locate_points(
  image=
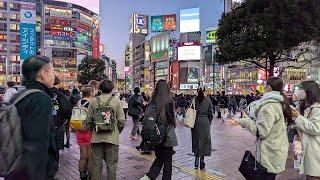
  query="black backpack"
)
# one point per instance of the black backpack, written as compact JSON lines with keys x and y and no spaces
{"x":153,"y":130}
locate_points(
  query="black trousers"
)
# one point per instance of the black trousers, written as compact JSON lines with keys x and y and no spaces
{"x":270,"y":176}
{"x":163,"y":158}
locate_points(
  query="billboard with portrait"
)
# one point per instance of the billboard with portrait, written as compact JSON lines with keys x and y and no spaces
{"x":190,"y":20}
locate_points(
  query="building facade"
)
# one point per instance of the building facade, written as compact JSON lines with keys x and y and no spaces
{"x":10,"y":17}
{"x":71,"y":32}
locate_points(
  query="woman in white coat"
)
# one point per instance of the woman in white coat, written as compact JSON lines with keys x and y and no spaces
{"x":309,"y":128}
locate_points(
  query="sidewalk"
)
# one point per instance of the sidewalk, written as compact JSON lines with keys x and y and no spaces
{"x":228,"y":146}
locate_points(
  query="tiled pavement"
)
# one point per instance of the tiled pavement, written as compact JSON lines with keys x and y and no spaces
{"x":228,"y":146}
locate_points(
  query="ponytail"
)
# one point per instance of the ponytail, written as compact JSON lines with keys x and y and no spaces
{"x":200,"y":96}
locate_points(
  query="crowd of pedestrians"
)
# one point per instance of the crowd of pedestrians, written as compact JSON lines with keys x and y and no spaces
{"x":45,"y":115}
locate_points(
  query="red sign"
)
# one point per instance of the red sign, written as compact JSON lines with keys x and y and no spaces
{"x":60,"y":22}
{"x":170,"y":22}
{"x":55,"y":32}
{"x":84,"y":26}
{"x":175,"y":66}
{"x":189,"y":44}
{"x":95,"y":47}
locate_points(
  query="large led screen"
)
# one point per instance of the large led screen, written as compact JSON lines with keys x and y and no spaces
{"x":189,"y":53}
{"x":190,"y":20}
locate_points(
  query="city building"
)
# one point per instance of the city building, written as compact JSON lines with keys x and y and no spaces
{"x":138,"y":33}
{"x":70,"y":33}
{"x":11,"y":14}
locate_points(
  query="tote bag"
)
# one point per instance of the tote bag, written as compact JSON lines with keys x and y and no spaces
{"x":191,"y":115}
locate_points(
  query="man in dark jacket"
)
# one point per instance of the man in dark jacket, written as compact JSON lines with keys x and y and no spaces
{"x":135,"y":111}
{"x":62,"y":110}
{"x":35,"y":111}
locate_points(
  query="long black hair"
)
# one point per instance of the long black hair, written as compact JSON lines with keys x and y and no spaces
{"x":312,"y":92}
{"x":200,"y":95}
{"x":276,"y":84}
{"x":31,"y":67}
{"x":161,"y":96}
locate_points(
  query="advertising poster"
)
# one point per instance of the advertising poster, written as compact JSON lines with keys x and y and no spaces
{"x":140,"y":24}
{"x":211,"y":36}
{"x":190,"y":20}
{"x":157,"y":23}
{"x":193,"y":75}
{"x":189,"y":53}
{"x":27,"y":30}
{"x":170,"y":22}
{"x":96,"y":38}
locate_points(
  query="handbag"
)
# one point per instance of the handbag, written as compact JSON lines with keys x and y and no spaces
{"x":250,"y":168}
{"x":191,"y":115}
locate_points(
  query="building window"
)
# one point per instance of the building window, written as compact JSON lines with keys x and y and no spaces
{"x":3,"y":37}
{"x":14,"y":27}
{"x":14,"y":38}
{"x":15,"y":16}
{"x":14,"y":6}
{"x":3,"y":5}
{"x":14,"y":48}
{"x":3,"y":16}
{"x":3,"y":48}
{"x":14,"y":58}
{"x":3,"y":26}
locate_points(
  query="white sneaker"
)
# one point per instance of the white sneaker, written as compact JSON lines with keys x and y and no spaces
{"x":145,"y":177}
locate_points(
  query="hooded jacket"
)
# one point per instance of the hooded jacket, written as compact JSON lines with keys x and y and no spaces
{"x":270,"y":124}
{"x":309,"y":126}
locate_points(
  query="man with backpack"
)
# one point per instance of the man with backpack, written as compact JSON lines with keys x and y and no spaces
{"x":135,"y":111}
{"x":106,"y":118}
{"x":27,"y":147}
{"x":61,"y":112}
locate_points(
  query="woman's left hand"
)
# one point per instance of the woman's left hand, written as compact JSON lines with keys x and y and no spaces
{"x":295,"y":112}
{"x":234,"y":122}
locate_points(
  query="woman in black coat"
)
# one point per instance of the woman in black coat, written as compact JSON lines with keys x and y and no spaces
{"x":201,"y":137}
{"x":39,"y":152}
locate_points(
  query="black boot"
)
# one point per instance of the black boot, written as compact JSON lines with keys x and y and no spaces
{"x":196,"y":162}
{"x":219,"y":115}
{"x":84,"y":178}
{"x":202,"y":164}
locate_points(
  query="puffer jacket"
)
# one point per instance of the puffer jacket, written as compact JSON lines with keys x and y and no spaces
{"x":270,"y":123}
{"x":309,"y":128}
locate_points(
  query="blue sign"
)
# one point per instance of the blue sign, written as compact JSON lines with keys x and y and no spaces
{"x":141,"y":21}
{"x":156,"y":23}
{"x":27,"y":40}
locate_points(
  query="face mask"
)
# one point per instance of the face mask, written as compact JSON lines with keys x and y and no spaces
{"x":301,"y":95}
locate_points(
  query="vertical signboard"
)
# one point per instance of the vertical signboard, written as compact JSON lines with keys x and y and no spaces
{"x":96,"y":38}
{"x":27,"y":30}
{"x":140,"y":23}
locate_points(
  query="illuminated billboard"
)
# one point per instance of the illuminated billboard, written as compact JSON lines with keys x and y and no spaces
{"x":190,"y":20}
{"x":170,"y":22}
{"x":211,"y":36}
{"x":163,"y":23}
{"x":189,"y":53}
{"x":139,"y":23}
{"x":156,"y":23}
{"x":160,"y":42}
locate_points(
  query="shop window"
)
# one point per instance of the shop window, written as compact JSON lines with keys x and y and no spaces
{"x":14,"y":58}
{"x":14,"y":38}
